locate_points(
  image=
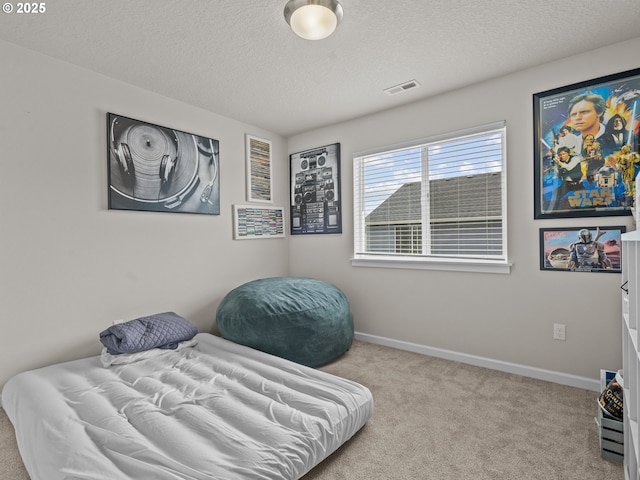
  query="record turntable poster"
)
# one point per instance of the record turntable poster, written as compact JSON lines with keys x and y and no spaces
{"x":315,"y":191}
{"x":160,"y":169}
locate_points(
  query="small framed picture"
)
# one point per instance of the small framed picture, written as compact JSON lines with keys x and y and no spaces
{"x":259,"y":174}
{"x":255,"y":222}
{"x":582,"y":249}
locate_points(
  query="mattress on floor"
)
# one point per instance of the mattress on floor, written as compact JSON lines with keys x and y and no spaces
{"x":216,"y":410}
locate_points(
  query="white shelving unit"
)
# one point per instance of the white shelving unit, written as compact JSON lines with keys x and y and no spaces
{"x":630,"y":355}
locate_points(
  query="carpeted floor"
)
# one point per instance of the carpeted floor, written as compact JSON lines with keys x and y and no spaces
{"x":436,"y":419}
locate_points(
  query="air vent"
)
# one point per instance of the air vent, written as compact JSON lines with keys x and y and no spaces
{"x":403,"y":87}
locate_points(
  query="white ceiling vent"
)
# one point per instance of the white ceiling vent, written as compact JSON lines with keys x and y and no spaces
{"x":403,"y":87}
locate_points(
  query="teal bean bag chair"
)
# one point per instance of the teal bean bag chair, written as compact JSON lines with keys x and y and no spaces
{"x":301,"y":319}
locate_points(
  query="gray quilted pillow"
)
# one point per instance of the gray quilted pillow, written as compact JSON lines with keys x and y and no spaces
{"x":162,"y":330}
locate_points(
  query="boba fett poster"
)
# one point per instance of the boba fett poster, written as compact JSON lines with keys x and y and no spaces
{"x":583,"y":249}
{"x":160,"y":169}
{"x":315,"y":191}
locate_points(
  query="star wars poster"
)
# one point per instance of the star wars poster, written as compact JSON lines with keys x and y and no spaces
{"x":582,"y":249}
{"x":315,"y":191}
{"x":586,"y":153}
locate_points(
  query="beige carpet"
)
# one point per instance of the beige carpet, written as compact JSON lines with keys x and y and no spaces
{"x":436,"y":419}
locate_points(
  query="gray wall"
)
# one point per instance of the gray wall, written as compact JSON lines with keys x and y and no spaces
{"x":68,"y":265}
{"x":508,"y":318}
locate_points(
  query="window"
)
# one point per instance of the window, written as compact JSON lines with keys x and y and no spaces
{"x":434,"y":203}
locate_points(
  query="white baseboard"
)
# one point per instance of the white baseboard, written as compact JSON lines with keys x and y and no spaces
{"x":538,"y":373}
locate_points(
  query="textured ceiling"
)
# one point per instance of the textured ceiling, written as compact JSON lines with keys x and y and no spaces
{"x":238,"y":58}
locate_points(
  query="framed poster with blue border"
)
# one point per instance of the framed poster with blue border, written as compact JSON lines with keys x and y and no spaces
{"x":586,"y":154}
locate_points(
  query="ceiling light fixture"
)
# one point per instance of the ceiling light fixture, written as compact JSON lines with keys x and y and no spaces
{"x":313,"y":19}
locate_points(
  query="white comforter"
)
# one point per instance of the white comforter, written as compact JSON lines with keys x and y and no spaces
{"x":216,"y":410}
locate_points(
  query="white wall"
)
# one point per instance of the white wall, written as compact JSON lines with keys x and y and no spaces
{"x":68,"y":265}
{"x":508,"y":318}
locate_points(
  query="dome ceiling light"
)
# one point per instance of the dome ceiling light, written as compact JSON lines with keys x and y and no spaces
{"x":313,"y":19}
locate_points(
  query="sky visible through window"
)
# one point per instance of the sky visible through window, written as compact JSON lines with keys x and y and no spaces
{"x":385,"y":173}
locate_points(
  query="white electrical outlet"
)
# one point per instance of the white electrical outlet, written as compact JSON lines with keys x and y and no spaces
{"x":559,"y":331}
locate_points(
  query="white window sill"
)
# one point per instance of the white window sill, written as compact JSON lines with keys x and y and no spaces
{"x":445,"y":264}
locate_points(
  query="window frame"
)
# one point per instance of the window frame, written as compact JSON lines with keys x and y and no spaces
{"x":428,"y":261}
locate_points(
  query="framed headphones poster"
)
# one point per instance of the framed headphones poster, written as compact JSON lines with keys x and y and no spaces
{"x":315,"y":191}
{"x":160,"y":169}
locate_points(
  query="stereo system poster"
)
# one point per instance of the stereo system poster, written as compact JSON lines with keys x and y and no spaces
{"x":315,"y":191}
{"x":586,"y":154}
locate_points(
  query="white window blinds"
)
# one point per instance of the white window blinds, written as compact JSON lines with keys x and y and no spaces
{"x":443,"y":197}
